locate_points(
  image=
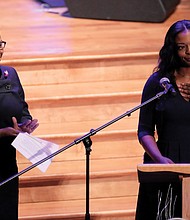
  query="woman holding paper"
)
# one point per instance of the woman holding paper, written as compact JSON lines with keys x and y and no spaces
{"x":14,"y":118}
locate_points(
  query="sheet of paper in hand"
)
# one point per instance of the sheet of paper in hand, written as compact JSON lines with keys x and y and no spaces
{"x":35,"y":149}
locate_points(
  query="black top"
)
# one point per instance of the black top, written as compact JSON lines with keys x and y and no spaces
{"x":11,"y":104}
{"x":170,"y":116}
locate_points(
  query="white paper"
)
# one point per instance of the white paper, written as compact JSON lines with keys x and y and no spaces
{"x":35,"y":149}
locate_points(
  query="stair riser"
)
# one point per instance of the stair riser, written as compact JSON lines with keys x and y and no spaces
{"x":75,"y":189}
{"x":100,"y":150}
{"x":68,"y":71}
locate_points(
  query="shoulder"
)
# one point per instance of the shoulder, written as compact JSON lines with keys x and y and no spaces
{"x":153,"y":81}
{"x":154,"y":78}
{"x":8,"y":71}
{"x":7,"y":68}
{"x":152,"y":85}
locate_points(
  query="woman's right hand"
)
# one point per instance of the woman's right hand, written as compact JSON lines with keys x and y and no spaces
{"x":184,"y":89}
{"x":9,"y":131}
{"x":164,"y":160}
{"x":150,"y":146}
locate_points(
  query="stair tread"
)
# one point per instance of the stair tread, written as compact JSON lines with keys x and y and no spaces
{"x":83,"y":88}
{"x":74,"y":168}
{"x":67,"y":208}
{"x":81,"y":128}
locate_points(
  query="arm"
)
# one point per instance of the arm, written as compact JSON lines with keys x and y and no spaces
{"x":27,"y":124}
{"x":19,"y":112}
{"x":149,"y":144}
{"x":8,"y":131}
{"x":149,"y":118}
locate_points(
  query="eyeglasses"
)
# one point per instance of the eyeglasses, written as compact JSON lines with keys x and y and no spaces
{"x":2,"y":44}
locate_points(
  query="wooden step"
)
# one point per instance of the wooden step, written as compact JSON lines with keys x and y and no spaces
{"x":65,"y":118}
{"x":83,"y":89}
{"x":109,"y":152}
{"x":103,"y":136}
{"x":72,"y":187}
{"x":83,"y":127}
{"x":74,"y":166}
{"x":124,"y":145}
{"x":83,"y":69}
{"x":119,"y":208}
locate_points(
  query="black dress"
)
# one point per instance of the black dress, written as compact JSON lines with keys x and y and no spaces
{"x":11,"y":104}
{"x":170,"y":115}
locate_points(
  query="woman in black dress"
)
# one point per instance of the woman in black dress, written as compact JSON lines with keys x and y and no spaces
{"x":169,"y":117}
{"x":14,"y":118}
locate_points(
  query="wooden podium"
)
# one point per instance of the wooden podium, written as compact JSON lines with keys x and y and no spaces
{"x":167,"y":172}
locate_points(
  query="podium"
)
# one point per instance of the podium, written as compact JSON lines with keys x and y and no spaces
{"x":169,"y":172}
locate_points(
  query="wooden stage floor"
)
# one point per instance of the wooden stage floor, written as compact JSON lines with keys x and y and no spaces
{"x":31,"y":32}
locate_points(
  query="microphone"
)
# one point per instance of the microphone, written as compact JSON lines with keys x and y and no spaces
{"x":165,"y":83}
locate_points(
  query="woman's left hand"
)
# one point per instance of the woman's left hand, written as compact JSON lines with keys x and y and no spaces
{"x":184,"y":89}
{"x":28,"y":126}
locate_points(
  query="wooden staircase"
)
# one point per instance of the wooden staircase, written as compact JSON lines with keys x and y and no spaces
{"x":71,"y":97}
{"x":79,"y":75}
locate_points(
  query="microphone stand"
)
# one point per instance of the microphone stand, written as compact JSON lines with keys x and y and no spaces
{"x":87,"y":143}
